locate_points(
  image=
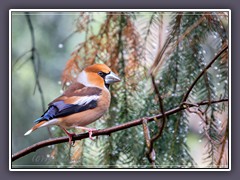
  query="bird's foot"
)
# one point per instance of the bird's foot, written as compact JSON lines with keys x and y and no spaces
{"x":90,"y":131}
{"x":70,"y":137}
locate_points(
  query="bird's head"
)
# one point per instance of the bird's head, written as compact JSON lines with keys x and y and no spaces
{"x":98,"y":75}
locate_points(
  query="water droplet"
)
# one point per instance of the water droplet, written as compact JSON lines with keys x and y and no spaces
{"x":204,"y":52}
{"x":199,"y":52}
{"x":215,"y":67}
{"x":60,"y":45}
{"x":61,"y":91}
{"x":219,"y":122}
{"x":53,"y":128}
{"x":199,"y":140}
{"x":218,"y":84}
{"x":225,"y":81}
{"x":48,"y":155}
{"x":67,"y":83}
{"x":59,"y":82}
{"x":214,"y":36}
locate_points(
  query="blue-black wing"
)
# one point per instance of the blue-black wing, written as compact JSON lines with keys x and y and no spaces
{"x":60,"y":109}
{"x":75,"y":99}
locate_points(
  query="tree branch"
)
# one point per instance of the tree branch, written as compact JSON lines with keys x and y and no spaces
{"x":33,"y":59}
{"x":106,"y":131}
{"x":203,"y":71}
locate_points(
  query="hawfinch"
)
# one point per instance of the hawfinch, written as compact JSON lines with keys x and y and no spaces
{"x":85,"y":101}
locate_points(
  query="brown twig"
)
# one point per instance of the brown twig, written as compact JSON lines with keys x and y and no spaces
{"x":203,"y":71}
{"x":150,"y":152}
{"x":224,"y":141}
{"x":107,"y":131}
{"x":161,"y":109}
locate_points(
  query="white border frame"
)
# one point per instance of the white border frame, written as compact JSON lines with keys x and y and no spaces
{"x":117,"y":10}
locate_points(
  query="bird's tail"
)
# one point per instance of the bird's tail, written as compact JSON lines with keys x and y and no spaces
{"x":38,"y":125}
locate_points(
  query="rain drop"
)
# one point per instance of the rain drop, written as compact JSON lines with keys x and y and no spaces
{"x":219,"y":122}
{"x":53,"y":128}
{"x":59,"y":82}
{"x":60,"y":45}
{"x":204,"y":52}
{"x":61,"y":91}
{"x":67,"y":83}
{"x":215,"y":67}
{"x":199,"y":140}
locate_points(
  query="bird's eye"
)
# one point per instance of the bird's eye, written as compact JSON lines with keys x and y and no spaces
{"x":101,"y":74}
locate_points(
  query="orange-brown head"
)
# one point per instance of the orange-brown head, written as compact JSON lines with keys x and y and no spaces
{"x":98,"y":75}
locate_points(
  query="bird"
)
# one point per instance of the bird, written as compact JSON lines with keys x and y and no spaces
{"x":82,"y":103}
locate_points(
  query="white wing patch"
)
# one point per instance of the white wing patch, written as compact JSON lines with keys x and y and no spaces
{"x":86,"y":99}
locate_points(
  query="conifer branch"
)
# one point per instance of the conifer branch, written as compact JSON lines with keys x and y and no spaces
{"x":203,"y":71}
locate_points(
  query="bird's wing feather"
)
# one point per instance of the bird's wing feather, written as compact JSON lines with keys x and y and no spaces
{"x":74,"y":100}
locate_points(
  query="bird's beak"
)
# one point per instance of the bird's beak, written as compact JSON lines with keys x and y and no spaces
{"x":111,"y":78}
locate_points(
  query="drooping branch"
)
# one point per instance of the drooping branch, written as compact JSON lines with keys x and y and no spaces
{"x":106,"y":131}
{"x":203,"y":71}
{"x":33,"y":58}
{"x":149,"y":141}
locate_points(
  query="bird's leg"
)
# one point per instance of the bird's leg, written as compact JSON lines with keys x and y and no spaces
{"x":90,"y":130}
{"x":70,"y":136}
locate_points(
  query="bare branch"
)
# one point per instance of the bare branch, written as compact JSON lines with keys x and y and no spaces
{"x":33,"y":59}
{"x":151,"y":152}
{"x":106,"y":131}
{"x":20,"y":57}
{"x":203,"y":71}
{"x":224,"y":142}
